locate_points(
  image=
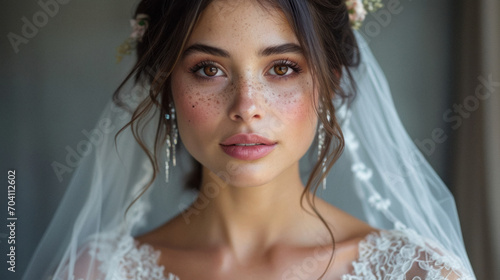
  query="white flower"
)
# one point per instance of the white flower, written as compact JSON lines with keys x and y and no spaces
{"x":357,"y":12}
{"x":359,"y":8}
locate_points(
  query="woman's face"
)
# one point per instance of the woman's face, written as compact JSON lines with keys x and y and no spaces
{"x":243,"y":76}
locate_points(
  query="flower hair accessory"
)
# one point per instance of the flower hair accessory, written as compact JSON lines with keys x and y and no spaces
{"x":139,"y":26}
{"x":358,"y":10}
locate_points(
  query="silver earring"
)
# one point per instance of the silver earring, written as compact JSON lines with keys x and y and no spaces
{"x":321,"y":144}
{"x":171,"y":142}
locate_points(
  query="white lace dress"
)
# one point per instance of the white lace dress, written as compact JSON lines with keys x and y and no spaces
{"x":388,"y":255}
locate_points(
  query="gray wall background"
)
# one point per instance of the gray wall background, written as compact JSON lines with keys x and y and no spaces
{"x":59,"y":82}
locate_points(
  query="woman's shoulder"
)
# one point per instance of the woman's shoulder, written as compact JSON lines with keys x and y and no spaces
{"x":391,"y":254}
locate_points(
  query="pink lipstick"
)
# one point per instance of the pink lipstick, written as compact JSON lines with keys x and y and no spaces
{"x":247,"y":146}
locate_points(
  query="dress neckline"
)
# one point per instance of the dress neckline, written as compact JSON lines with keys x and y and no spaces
{"x":147,"y":249}
{"x":384,"y":254}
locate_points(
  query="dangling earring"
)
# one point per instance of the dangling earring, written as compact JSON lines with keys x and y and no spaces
{"x":171,"y":141}
{"x":321,"y":144}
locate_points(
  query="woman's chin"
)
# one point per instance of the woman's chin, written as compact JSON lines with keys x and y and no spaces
{"x":249,"y":183}
{"x":247,"y":176}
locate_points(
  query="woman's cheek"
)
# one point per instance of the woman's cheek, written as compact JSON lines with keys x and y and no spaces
{"x":295,"y":104}
{"x":195,"y":119}
{"x":196,"y":103}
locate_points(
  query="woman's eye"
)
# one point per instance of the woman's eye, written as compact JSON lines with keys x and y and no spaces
{"x":210,"y":71}
{"x":207,"y":70}
{"x":281,"y":69}
{"x":284,"y":68}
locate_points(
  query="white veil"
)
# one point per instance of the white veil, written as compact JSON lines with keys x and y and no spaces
{"x":381,"y":178}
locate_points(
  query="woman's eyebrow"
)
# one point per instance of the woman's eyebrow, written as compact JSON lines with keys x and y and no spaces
{"x":205,"y":49}
{"x":281,"y":49}
{"x":272,"y":50}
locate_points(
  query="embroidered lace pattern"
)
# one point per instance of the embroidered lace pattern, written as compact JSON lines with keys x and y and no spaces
{"x":128,"y":261}
{"x":387,"y":255}
{"x":120,"y":258}
{"x":392,"y":255}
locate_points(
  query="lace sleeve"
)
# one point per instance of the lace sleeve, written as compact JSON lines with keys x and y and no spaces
{"x":115,"y":257}
{"x":86,"y":266}
{"x":392,"y":255}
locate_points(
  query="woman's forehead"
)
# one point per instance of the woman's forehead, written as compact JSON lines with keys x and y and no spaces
{"x":240,"y":22}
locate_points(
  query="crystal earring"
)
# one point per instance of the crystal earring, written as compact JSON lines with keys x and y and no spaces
{"x":171,"y":141}
{"x":321,"y":144}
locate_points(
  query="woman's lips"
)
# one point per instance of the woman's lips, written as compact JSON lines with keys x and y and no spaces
{"x":247,"y":146}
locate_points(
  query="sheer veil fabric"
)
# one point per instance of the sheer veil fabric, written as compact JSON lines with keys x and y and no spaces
{"x":381,"y":178}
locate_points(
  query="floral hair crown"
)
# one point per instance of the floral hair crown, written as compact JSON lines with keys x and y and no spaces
{"x":357,"y":13}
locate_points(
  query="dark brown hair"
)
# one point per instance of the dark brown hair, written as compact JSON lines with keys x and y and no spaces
{"x":324,"y":33}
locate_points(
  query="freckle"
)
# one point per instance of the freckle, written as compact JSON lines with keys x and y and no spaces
{"x":197,"y":93}
{"x":218,"y":102}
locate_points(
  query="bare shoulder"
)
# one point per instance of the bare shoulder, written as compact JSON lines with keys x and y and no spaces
{"x":173,"y":234}
{"x":348,"y":232}
{"x":346,"y":227}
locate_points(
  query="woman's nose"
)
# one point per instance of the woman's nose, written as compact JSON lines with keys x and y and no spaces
{"x":248,"y":101}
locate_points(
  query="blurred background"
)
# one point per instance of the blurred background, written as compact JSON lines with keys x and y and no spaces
{"x":441,"y":59}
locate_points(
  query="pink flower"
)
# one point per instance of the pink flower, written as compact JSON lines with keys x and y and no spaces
{"x":139,"y":26}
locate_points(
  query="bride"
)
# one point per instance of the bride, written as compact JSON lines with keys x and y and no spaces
{"x":249,"y":88}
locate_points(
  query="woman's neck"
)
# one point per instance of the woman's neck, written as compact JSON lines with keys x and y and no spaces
{"x":242,"y":218}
